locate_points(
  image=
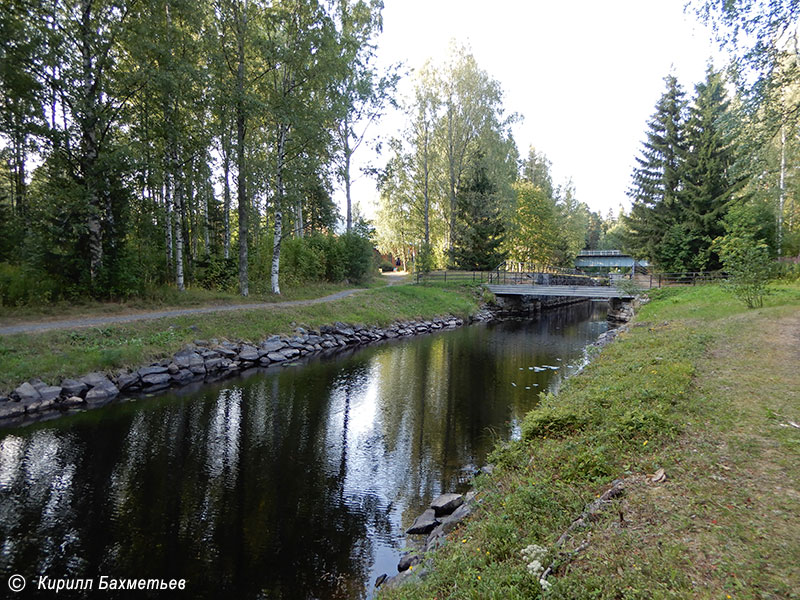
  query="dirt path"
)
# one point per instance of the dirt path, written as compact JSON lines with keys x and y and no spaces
{"x":116,"y":319}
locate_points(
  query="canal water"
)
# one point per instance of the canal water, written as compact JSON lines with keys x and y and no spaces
{"x":290,"y":483}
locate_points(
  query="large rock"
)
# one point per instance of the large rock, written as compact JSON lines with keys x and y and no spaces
{"x":104,"y":391}
{"x":41,"y":405}
{"x":271,"y":346}
{"x":73,"y":401}
{"x":73,"y":388}
{"x":225,"y":351}
{"x":249,"y":354}
{"x":124,"y":381}
{"x":152,"y":370}
{"x":407,"y":561}
{"x":183,"y":376}
{"x":27,"y":393}
{"x":156,"y":379}
{"x":9,"y":410}
{"x":290,"y":353}
{"x":214,"y":364}
{"x":436,"y":538}
{"x":276,"y":357}
{"x":38,"y":384}
{"x":446,"y":503}
{"x":424,"y":523}
{"x":94,"y":379}
{"x":50,"y":393}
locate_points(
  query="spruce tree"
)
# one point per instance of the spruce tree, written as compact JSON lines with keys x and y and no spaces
{"x":657,"y":180}
{"x":479,"y":230}
{"x":707,"y":185}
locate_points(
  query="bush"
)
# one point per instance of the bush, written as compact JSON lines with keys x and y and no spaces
{"x":749,"y":268}
{"x":359,"y":258}
{"x":301,"y":262}
{"x":21,"y":286}
{"x":327,"y":258}
{"x":425,"y":259}
{"x":217,"y":273}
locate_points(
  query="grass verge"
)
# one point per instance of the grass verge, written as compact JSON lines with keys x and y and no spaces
{"x":165,"y":298}
{"x":699,"y":387}
{"x":55,"y":355}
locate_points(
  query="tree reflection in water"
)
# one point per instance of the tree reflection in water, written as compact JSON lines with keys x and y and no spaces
{"x":293,"y":483}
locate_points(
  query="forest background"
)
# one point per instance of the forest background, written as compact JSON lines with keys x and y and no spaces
{"x":151,"y":143}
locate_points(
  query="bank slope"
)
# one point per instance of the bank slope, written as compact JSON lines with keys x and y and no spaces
{"x":53,"y":356}
{"x":698,"y":387}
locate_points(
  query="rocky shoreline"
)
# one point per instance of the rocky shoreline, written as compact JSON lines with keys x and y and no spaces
{"x":448,"y":511}
{"x":203,"y":361}
{"x":211,"y":361}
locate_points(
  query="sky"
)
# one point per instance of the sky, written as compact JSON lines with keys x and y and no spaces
{"x":584,"y":75}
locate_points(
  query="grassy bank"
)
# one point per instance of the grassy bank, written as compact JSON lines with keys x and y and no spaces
{"x":55,"y":355}
{"x":163,"y":298}
{"x":699,"y":387}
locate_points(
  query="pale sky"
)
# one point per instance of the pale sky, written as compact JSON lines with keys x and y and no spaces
{"x":584,"y":75}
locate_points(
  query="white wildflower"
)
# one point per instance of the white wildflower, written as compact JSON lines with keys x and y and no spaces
{"x":535,"y":568}
{"x":545,"y":584}
{"x":533,"y":552}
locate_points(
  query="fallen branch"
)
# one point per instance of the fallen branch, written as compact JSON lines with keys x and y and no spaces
{"x":616,"y":489}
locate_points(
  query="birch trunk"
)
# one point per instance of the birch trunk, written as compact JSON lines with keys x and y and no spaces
{"x":279,"y":193}
{"x":240,"y":154}
{"x":782,"y":195}
{"x":226,"y":189}
{"x":168,"y":219}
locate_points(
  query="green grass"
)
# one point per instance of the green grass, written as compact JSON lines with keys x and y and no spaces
{"x":700,"y":387}
{"x":58,"y":354}
{"x":166,"y":297}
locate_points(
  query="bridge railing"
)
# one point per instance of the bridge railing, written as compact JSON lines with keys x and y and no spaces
{"x":453,"y":276}
{"x":686,"y":278}
{"x":514,"y":273}
{"x":511,"y":272}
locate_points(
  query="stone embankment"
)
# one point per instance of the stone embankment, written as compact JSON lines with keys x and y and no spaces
{"x":201,"y":361}
{"x":445,"y":513}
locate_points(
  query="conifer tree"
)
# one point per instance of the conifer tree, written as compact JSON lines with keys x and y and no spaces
{"x":479,"y":230}
{"x":657,"y":180}
{"x":706,"y":174}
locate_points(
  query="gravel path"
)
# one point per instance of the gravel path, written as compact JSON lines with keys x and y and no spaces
{"x":113,"y":320}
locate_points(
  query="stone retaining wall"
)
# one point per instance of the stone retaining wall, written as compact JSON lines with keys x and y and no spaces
{"x":201,"y":361}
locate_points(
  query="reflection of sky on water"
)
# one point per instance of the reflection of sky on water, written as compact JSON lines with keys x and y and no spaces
{"x":292,"y":483}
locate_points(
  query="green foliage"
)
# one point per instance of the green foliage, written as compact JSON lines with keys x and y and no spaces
{"x":325,"y":257}
{"x":682,"y":186}
{"x":216,"y":273}
{"x":24,"y":286}
{"x":358,"y":256}
{"x":552,"y":420}
{"x":425,"y":258}
{"x":629,"y":286}
{"x":534,"y":229}
{"x":748,"y":266}
{"x":478,"y":236}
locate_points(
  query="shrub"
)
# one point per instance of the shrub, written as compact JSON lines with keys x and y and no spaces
{"x":748,"y":265}
{"x":20,"y":285}
{"x":217,"y":273}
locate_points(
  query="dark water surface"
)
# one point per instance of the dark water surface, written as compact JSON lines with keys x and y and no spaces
{"x":290,"y":483}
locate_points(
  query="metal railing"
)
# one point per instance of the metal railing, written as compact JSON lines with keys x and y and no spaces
{"x":601,"y":253}
{"x":687,"y":278}
{"x":453,"y":276}
{"x":511,"y":273}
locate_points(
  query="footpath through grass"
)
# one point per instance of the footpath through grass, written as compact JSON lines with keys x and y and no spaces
{"x":55,"y":355}
{"x":699,"y":387}
{"x":164,"y":298}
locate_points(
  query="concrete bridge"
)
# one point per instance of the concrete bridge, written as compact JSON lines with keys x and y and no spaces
{"x":601,"y":292}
